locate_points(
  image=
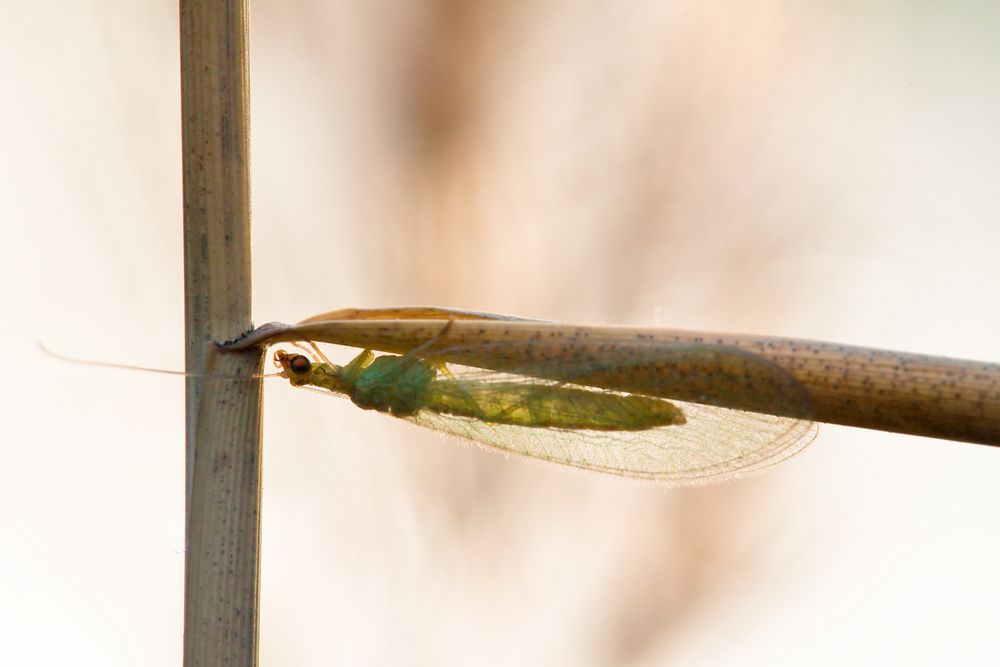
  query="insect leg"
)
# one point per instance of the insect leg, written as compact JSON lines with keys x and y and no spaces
{"x":353,"y":370}
{"x":319,"y":353}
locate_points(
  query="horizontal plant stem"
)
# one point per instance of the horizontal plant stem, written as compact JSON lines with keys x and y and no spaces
{"x":938,"y":397}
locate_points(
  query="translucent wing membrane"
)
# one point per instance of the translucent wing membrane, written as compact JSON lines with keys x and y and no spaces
{"x":715,"y":444}
{"x":711,"y":443}
{"x":676,"y":413}
{"x":697,"y":373}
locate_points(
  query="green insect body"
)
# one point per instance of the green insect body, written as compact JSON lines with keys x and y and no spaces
{"x":406,"y":385}
{"x":632,"y":403}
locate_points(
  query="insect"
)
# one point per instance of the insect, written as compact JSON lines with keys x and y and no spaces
{"x":561,"y":405}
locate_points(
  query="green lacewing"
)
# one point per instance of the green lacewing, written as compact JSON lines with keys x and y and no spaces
{"x":602,"y":398}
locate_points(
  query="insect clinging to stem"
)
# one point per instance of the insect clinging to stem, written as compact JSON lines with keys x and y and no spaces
{"x":558,"y":405}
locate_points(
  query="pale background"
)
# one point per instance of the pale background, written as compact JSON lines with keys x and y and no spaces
{"x":805,"y":168}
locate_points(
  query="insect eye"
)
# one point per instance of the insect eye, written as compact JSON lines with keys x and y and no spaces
{"x":299,"y":364}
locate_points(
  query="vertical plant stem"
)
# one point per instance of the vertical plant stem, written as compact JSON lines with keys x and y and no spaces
{"x":223,"y":415}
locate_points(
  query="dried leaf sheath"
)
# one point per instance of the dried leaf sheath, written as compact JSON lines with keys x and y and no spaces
{"x":880,"y":389}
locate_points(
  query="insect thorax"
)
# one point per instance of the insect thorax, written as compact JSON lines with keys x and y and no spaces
{"x":393,"y":384}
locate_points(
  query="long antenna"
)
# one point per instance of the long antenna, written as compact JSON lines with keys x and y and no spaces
{"x":145,"y":369}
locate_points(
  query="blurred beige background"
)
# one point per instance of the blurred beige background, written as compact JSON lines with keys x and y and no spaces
{"x":813,"y":169}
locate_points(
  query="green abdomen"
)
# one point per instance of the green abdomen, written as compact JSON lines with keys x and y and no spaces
{"x":544,"y":406}
{"x":404,"y":387}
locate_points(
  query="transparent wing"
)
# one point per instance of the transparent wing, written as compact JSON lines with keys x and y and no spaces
{"x":742,"y":412}
{"x":707,"y":374}
{"x":715,"y":444}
